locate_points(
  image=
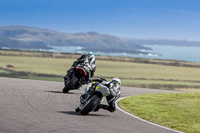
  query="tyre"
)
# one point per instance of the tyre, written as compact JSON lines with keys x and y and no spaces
{"x":70,"y":84}
{"x":89,"y":105}
{"x":65,"y":90}
{"x":77,"y":109}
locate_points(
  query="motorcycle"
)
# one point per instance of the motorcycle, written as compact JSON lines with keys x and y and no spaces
{"x":92,"y":96}
{"x":78,"y":76}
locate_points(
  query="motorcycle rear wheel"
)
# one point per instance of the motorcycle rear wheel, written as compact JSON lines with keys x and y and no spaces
{"x":90,"y":105}
{"x":70,"y":85}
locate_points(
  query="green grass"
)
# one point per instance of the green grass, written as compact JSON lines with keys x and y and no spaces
{"x":149,"y":71}
{"x":24,"y":75}
{"x":150,"y":75}
{"x":37,"y":64}
{"x":3,"y":71}
{"x":104,"y":68}
{"x":136,"y":82}
{"x":180,"y":111}
{"x":189,"y":89}
{"x":160,"y":84}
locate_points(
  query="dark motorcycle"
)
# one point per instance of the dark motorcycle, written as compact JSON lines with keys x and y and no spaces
{"x":78,"y":76}
{"x":92,"y":97}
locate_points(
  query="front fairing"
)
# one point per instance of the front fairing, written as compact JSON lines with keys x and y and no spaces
{"x":102,"y":89}
{"x":92,"y":89}
{"x":87,"y":89}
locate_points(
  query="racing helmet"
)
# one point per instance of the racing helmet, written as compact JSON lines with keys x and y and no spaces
{"x":90,"y":54}
{"x":115,"y":86}
{"x":116,"y":80}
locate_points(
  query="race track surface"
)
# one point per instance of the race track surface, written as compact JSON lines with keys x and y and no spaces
{"x":33,"y":106}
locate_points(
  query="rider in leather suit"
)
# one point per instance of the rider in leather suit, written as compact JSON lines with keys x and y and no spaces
{"x":89,"y":60}
{"x":115,"y":92}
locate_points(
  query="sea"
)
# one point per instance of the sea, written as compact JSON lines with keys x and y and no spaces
{"x":191,"y":54}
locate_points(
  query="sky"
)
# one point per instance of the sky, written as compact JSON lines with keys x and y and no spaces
{"x":143,"y":19}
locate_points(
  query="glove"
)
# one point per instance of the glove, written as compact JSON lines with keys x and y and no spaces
{"x":75,"y":64}
{"x":92,"y":73}
{"x":85,"y":82}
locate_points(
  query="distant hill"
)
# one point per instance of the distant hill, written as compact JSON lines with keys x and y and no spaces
{"x":165,"y":42}
{"x":6,"y":42}
{"x":21,"y":37}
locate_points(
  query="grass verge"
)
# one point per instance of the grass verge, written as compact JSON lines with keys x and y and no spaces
{"x":132,"y":71}
{"x":179,"y":111}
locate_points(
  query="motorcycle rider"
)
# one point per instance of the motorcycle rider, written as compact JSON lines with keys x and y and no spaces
{"x":86,"y":59}
{"x":115,"y":92}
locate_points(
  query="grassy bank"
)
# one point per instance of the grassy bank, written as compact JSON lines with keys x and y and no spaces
{"x":133,"y":71}
{"x":180,"y":111}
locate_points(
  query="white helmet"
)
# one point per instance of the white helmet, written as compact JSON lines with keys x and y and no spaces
{"x":116,"y":80}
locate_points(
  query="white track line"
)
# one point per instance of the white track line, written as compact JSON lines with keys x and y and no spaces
{"x":143,"y":119}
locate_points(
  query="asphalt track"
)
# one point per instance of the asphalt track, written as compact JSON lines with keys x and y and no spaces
{"x":33,"y":106}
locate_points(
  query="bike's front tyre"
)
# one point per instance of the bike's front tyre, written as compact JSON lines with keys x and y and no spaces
{"x":90,"y":105}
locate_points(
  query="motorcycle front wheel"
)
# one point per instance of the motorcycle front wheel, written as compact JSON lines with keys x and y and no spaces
{"x":70,"y":84}
{"x":90,"y":105}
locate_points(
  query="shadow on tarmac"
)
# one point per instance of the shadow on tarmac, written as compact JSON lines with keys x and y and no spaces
{"x":60,"y":92}
{"x":75,"y":113}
